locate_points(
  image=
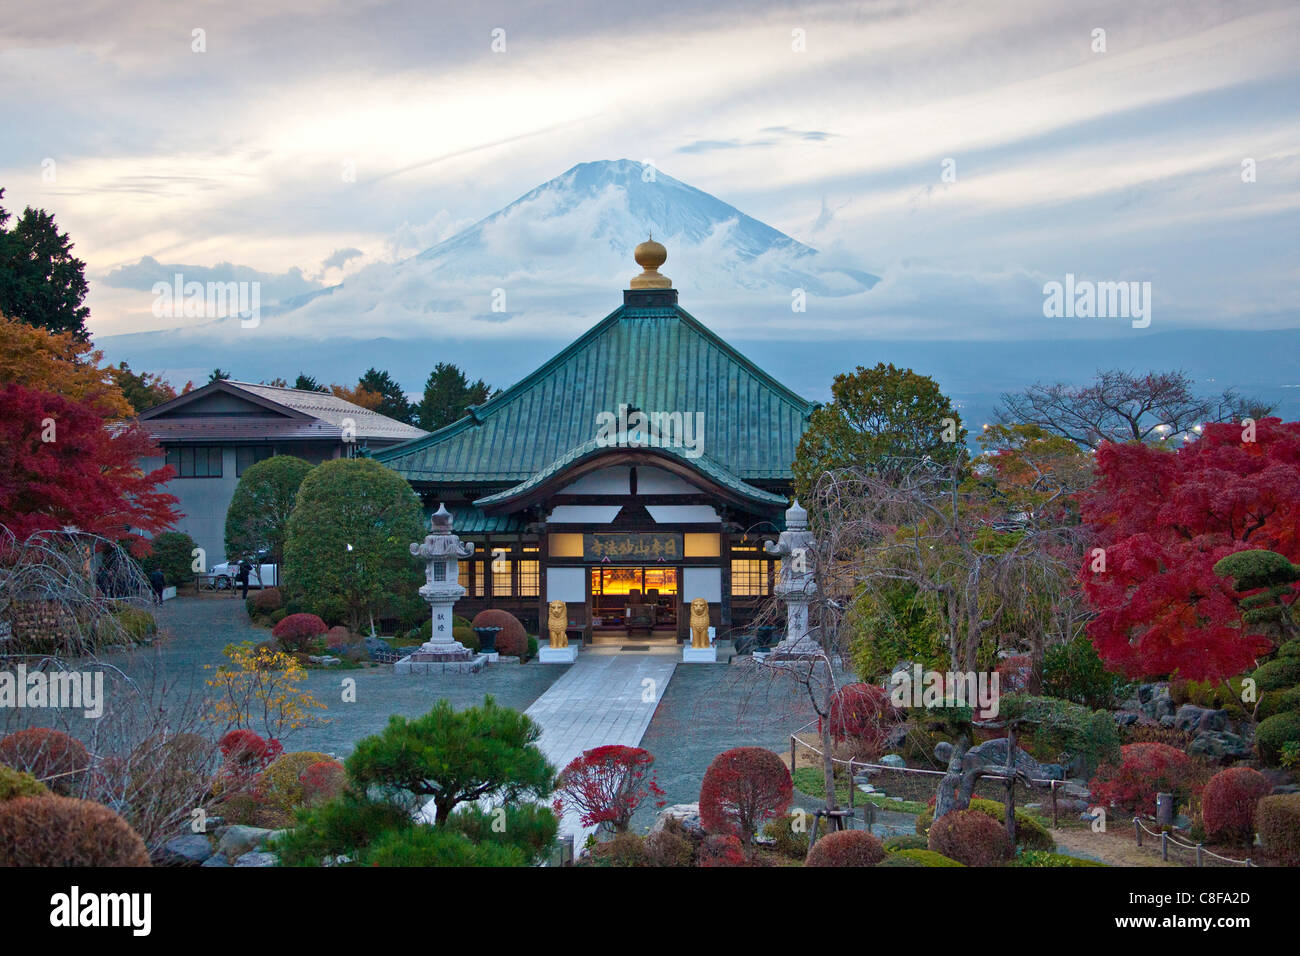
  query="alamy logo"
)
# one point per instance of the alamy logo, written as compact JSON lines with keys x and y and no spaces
{"x":918,"y":688}
{"x":75,"y":909}
{"x":208,"y":300}
{"x":73,"y":690}
{"x":1085,"y":299}
{"x":632,"y":428}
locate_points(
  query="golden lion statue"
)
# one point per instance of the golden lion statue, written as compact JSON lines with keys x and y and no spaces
{"x":699,"y":623}
{"x":557,"y":622}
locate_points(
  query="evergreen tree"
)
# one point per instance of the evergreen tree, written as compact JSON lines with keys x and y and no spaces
{"x":41,"y":282}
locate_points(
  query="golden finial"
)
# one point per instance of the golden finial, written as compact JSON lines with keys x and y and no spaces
{"x":650,"y":255}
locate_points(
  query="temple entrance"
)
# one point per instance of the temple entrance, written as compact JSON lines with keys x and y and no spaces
{"x":634,"y":602}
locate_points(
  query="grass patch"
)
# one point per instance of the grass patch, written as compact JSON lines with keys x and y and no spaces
{"x":811,"y":781}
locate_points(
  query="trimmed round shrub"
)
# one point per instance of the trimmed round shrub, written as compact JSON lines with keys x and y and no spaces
{"x":1277,"y":820}
{"x":1291,"y":649}
{"x":970,"y":837}
{"x":1030,"y":834}
{"x":465,"y":634}
{"x":1270,"y":736}
{"x":1278,"y":702}
{"x":297,"y":631}
{"x":337,"y":638}
{"x":62,"y":831}
{"x":721,"y":849}
{"x":1144,"y":771}
{"x":918,"y":858}
{"x":267,"y":600}
{"x":904,"y":841}
{"x":1278,"y":674}
{"x":1228,"y":803}
{"x":51,"y":756}
{"x":512,"y":639}
{"x":668,"y":847}
{"x":743,"y":788}
{"x":846,"y":848}
{"x":173,"y":553}
{"x":280,"y":786}
{"x":15,"y":783}
{"x":623,"y":849}
{"x":863,"y":715}
{"x":169,"y":771}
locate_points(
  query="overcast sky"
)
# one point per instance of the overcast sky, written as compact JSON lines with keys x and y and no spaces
{"x":831,"y":122}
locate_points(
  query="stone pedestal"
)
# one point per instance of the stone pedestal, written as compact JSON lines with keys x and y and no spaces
{"x":699,"y":655}
{"x":557,"y":655}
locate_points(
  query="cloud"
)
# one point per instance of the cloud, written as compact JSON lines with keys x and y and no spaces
{"x":341,"y":257}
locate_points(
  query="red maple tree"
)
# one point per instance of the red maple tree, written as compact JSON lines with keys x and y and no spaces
{"x":742,"y":788}
{"x":63,"y":465}
{"x":607,"y":785}
{"x":1162,"y":519}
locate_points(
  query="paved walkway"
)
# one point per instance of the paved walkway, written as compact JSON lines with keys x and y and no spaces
{"x":606,"y":697}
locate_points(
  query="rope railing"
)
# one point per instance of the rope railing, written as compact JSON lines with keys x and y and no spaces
{"x":852,"y":763}
{"x":1169,"y":842}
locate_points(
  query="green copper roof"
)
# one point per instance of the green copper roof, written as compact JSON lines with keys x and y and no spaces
{"x":593,"y":448}
{"x":655,"y":358}
{"x":475,"y":521}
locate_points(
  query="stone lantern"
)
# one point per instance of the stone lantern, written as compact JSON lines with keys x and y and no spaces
{"x":442,"y":552}
{"x":796,"y":585}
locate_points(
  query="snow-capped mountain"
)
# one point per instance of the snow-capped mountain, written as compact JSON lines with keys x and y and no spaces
{"x":554,"y":261}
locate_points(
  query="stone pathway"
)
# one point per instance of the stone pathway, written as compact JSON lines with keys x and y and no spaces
{"x":604,"y":698}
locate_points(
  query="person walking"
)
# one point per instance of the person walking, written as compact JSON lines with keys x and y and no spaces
{"x":244,"y":570}
{"x":158,"y":582}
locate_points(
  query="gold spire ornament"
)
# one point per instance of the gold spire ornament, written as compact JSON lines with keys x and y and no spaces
{"x":650,"y":255}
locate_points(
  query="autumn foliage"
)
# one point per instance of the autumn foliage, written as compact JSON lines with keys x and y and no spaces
{"x":297,"y":631}
{"x":62,"y":831}
{"x":607,"y":785}
{"x":970,"y":837}
{"x":864,"y":714}
{"x":1162,"y":519}
{"x":743,"y":788}
{"x":63,"y":468}
{"x":54,"y":758}
{"x":1228,"y":803}
{"x":846,"y":848}
{"x":1143,"y":771}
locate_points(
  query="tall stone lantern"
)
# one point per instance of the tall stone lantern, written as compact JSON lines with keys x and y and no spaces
{"x":796,"y":585}
{"x":442,"y":552}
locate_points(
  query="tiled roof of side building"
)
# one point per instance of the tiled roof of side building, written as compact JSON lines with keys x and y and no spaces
{"x":334,"y":410}
{"x":653,"y":358}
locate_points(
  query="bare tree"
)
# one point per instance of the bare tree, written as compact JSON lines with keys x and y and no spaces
{"x":1120,"y":406}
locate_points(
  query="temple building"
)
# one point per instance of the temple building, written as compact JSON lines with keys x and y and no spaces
{"x":640,"y":468}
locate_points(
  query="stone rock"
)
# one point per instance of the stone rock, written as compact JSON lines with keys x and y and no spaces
{"x":188,"y":850}
{"x":324,"y":660}
{"x":1125,"y":720}
{"x":1219,"y":745}
{"x":892,"y":760}
{"x":215,"y":861}
{"x":380,"y":650}
{"x":1156,"y":703}
{"x":1194,"y":719}
{"x":238,"y":840}
{"x":1069,"y":805}
{"x":1286,"y":788}
{"x":1167,"y":720}
{"x":943,"y":752}
{"x":256,"y":858}
{"x":1074,"y":789}
{"x":688,"y":814}
{"x":897,"y":734}
{"x":993,"y":754}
